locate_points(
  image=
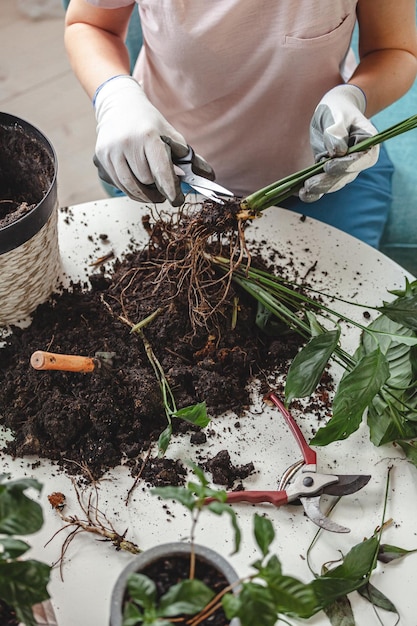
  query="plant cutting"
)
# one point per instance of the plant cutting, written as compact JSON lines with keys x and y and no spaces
{"x":265,"y":597}
{"x":195,"y":414}
{"x":23,"y":582}
{"x":182,"y":582}
{"x":272,"y":195}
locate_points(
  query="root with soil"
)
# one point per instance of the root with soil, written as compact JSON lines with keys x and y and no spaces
{"x":204,"y":338}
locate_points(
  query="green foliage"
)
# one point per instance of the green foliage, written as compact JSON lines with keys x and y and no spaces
{"x":194,"y":497}
{"x":355,"y":393}
{"x":22,"y":582}
{"x":268,"y":594}
{"x":188,"y":597}
{"x":18,"y":514}
{"x":381,"y":382}
{"x":308,"y":366}
{"x":380,"y":378}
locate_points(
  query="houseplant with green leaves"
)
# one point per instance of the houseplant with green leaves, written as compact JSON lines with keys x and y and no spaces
{"x":23,"y":582}
{"x":267,"y":595}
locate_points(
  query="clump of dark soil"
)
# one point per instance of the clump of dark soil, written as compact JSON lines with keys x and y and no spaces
{"x":115,"y":414}
{"x":26,"y":173}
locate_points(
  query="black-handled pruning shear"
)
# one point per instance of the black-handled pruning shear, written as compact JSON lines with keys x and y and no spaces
{"x":203,"y":186}
{"x":301,"y":481}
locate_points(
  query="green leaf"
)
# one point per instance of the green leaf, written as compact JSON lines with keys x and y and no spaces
{"x":407,"y":291}
{"x":340,"y":612}
{"x":19,"y":515}
{"x":180,"y":494}
{"x":264,"y":533}
{"x":388,"y":553}
{"x":388,"y":422}
{"x":195,"y":414}
{"x":308,"y":365}
{"x":12,"y":548}
{"x":231,"y":605}
{"x":402,"y":310}
{"x":164,"y":439}
{"x":397,"y":353}
{"x":23,"y":584}
{"x":355,"y":392}
{"x":132,"y":615}
{"x":377,"y":598}
{"x":291,"y":596}
{"x":349,"y":576}
{"x":391,"y":411}
{"x":410,"y":449}
{"x":221,"y":507}
{"x":358,"y":562}
{"x":315,"y":327}
{"x":254,"y":600}
{"x":199,"y":473}
{"x":187,"y":597}
{"x":142,"y":590}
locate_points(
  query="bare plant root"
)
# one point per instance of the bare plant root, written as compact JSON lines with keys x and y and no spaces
{"x":185,"y":245}
{"x":94,"y":522}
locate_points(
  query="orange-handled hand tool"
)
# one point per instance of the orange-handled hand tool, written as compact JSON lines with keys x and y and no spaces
{"x":41,"y":360}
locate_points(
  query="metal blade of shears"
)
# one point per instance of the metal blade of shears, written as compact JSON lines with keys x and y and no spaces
{"x":347,"y":483}
{"x":312,"y":510}
{"x":203,"y":186}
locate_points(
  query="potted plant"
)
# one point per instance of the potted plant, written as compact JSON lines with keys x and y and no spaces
{"x":29,"y":251}
{"x":148,"y":592}
{"x":23,"y":582}
{"x":145,"y":594}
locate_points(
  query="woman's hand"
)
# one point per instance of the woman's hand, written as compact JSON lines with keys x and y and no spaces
{"x":337,"y":124}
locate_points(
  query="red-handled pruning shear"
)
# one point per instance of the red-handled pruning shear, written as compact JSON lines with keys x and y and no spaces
{"x":308,"y":486}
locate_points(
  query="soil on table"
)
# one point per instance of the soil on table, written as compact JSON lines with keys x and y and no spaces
{"x":89,"y":423}
{"x":26,"y":173}
{"x":7,"y":615}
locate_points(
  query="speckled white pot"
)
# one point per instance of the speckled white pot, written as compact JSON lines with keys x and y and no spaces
{"x":29,"y":250}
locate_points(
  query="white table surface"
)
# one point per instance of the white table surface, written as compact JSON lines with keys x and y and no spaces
{"x":344,"y":266}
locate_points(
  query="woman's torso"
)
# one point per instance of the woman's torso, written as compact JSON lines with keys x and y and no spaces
{"x":240,"y":79}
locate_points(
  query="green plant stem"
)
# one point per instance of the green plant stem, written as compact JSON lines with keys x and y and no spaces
{"x":274,"y":296}
{"x":280,"y":190}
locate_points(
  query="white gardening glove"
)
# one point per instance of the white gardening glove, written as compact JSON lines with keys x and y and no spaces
{"x":136,"y":145}
{"x":337,"y":124}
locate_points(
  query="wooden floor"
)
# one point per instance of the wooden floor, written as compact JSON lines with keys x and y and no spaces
{"x":37,"y":85}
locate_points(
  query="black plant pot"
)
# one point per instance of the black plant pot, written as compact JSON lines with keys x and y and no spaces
{"x":29,"y":251}
{"x":168,"y":550}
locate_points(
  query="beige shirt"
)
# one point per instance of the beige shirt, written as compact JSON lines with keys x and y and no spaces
{"x":240,"y":79}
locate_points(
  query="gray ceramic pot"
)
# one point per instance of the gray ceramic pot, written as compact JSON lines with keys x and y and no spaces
{"x":148,"y":557}
{"x":29,"y":252}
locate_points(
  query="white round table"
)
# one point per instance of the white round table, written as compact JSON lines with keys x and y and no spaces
{"x":343,"y":266}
